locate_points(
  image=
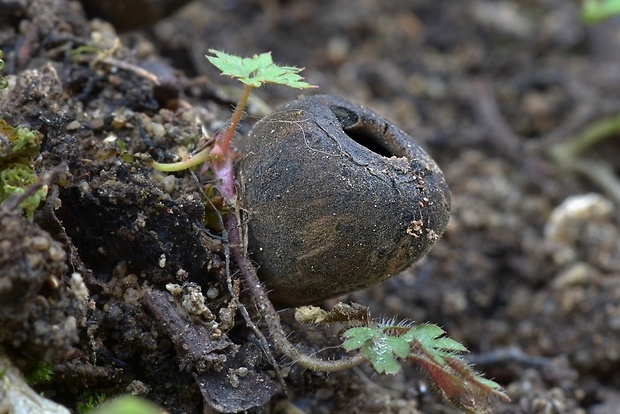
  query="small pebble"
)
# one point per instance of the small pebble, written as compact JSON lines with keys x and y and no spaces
{"x":73,"y":125}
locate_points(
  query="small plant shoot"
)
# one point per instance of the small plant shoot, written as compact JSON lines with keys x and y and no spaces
{"x":253,"y":73}
{"x":382,"y":344}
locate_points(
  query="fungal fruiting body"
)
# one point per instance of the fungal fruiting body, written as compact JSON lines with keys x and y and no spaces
{"x":338,"y":199}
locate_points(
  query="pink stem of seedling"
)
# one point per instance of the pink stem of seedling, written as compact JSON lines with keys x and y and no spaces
{"x":222,"y":155}
{"x":222,"y":144}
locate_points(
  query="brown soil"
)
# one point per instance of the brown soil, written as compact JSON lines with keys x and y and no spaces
{"x":488,"y":88}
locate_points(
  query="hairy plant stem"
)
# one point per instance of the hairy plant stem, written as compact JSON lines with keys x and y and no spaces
{"x":233,"y":289}
{"x":226,"y":140}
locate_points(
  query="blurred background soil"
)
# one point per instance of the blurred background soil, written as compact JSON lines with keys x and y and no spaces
{"x":527,"y":275}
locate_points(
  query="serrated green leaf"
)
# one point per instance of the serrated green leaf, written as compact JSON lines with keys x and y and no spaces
{"x":357,"y":337}
{"x":426,"y":335}
{"x":380,"y":356}
{"x":439,"y":355}
{"x":424,"y":332}
{"x":400,"y":347}
{"x":431,"y":336}
{"x":410,"y":334}
{"x":264,"y":62}
{"x":448,"y":344}
{"x":487,"y":382}
{"x":257,"y":70}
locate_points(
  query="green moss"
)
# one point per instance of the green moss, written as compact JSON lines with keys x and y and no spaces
{"x":18,"y":148}
{"x":90,"y":401}
{"x":41,"y":374}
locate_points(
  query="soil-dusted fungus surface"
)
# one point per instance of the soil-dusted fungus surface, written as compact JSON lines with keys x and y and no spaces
{"x":120,"y":282}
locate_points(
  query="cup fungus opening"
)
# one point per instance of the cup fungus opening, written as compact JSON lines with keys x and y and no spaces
{"x":367,"y":133}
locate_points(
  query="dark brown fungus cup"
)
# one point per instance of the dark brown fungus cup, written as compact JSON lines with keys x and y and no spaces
{"x":337,"y":199}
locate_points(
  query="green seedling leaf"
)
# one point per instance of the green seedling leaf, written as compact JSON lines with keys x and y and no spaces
{"x":424,"y":332}
{"x":487,"y":382}
{"x":357,"y":337}
{"x":399,"y":346}
{"x":430,"y":337}
{"x":385,"y":344}
{"x":381,"y":356}
{"x":448,"y":344}
{"x":257,"y":70}
{"x":378,"y":347}
{"x":441,"y":357}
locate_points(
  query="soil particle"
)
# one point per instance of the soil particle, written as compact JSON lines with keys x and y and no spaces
{"x":39,"y":312}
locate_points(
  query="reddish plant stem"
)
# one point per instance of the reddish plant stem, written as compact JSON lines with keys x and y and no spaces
{"x":222,"y":165}
{"x":225,"y":176}
{"x":226,"y":140}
